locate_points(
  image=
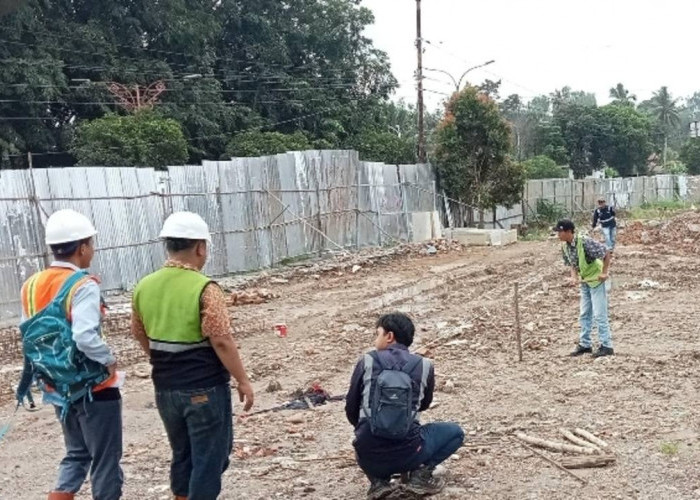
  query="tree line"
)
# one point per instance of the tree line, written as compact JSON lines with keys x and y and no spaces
{"x":236,"y":78}
{"x":627,"y":137}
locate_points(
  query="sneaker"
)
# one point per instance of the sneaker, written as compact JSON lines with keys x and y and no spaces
{"x":580,"y":350}
{"x":422,"y":482}
{"x":604,"y":351}
{"x":379,"y":488}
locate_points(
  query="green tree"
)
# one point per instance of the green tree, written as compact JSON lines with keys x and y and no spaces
{"x":626,"y":138}
{"x":582,"y":130}
{"x":565,"y":96}
{"x":228,"y":67}
{"x":140,"y":140}
{"x":665,"y":109}
{"x":491,"y":88}
{"x":549,"y":141}
{"x":387,"y":147}
{"x":620,"y":95}
{"x":473,"y":145}
{"x":543,"y":167}
{"x":266,"y":143}
{"x":690,"y":155}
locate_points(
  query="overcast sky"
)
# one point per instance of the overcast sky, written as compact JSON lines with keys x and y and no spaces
{"x":542,"y":45}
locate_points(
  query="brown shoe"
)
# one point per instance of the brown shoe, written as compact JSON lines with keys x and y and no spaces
{"x":61,"y":495}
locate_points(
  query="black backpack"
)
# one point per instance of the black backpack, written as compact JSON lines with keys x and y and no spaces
{"x":391,"y":400}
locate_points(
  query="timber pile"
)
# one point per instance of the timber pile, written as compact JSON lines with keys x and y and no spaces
{"x":587,"y":449}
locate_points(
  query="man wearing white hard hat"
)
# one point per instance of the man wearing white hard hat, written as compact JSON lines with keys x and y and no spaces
{"x":68,"y":358}
{"x":180,"y":318}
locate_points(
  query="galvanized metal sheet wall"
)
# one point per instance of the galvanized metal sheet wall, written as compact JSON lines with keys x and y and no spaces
{"x":261,"y":211}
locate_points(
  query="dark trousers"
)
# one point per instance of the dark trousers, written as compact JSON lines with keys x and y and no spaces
{"x":199,"y":424}
{"x":440,"y":441}
{"x":92,"y":433}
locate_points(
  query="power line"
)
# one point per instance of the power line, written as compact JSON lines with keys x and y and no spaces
{"x":252,"y":63}
{"x":174,"y":53}
{"x":190,"y":139}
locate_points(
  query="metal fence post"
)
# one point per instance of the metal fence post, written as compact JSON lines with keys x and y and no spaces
{"x":357,"y":206}
{"x":41,"y":237}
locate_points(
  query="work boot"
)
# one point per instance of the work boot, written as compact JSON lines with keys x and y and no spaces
{"x":604,"y":351}
{"x":61,"y":495}
{"x":580,"y":350}
{"x":423,"y":482}
{"x":379,"y":488}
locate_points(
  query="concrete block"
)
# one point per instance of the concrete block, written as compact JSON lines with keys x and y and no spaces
{"x":485,"y":237}
{"x":425,"y":226}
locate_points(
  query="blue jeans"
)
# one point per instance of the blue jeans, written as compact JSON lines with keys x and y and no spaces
{"x":440,"y":441}
{"x":92,"y":433}
{"x":594,"y":305}
{"x":199,"y":424}
{"x":610,"y":233}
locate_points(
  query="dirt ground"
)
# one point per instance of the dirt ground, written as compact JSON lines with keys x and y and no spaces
{"x":643,"y":402}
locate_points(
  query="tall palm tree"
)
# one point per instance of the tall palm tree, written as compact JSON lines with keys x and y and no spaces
{"x":621,"y":95}
{"x":665,"y":109}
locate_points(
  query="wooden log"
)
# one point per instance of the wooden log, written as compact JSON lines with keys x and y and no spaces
{"x":588,"y":462}
{"x":577,"y":440}
{"x":553,"y":445}
{"x":592,"y":438}
{"x":554,"y":463}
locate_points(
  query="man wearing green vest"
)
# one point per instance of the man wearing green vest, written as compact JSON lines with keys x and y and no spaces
{"x":179,"y":316}
{"x":589,"y":262}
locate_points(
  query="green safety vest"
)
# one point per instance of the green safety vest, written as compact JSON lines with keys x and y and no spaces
{"x":168,"y":303}
{"x":588,"y":272}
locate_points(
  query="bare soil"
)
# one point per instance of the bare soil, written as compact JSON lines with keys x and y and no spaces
{"x":643,"y":401}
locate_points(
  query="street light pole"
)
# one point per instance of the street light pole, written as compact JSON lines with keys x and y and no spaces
{"x":458,"y":83}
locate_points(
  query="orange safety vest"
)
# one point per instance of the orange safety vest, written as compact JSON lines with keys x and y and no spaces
{"x":39,"y":290}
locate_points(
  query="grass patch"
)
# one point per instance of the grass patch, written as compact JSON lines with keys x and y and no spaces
{"x":288,"y":261}
{"x":658,"y":210}
{"x":669,"y":448}
{"x":537,"y":234}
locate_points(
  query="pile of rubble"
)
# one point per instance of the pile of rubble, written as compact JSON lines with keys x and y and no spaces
{"x":679,"y":234}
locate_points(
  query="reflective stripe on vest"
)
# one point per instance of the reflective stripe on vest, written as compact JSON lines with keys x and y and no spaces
{"x":39,"y":290}
{"x":175,"y":347}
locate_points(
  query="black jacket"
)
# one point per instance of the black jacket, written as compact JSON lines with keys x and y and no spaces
{"x":367,"y":446}
{"x":606,"y":217}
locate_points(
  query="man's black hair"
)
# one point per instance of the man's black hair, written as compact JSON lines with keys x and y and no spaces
{"x":400,"y":325}
{"x":64,"y":251}
{"x":174,"y":245}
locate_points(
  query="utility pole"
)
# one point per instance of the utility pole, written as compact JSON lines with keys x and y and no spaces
{"x":419,"y":77}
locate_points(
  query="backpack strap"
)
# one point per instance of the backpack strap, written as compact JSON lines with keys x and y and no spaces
{"x":411,"y":365}
{"x":377,"y":359}
{"x":67,"y":290}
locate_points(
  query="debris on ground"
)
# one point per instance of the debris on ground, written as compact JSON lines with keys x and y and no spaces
{"x":679,"y":234}
{"x":254,"y":296}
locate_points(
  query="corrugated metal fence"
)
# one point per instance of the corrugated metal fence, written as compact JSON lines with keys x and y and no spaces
{"x":575,"y":197}
{"x":261,"y":211}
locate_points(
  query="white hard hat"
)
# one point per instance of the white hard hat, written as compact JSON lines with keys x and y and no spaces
{"x":186,"y":225}
{"x":66,"y":226}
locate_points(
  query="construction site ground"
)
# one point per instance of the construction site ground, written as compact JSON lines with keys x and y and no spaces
{"x":643,"y":401}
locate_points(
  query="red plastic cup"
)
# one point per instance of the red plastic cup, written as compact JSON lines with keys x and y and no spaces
{"x":281,"y":330}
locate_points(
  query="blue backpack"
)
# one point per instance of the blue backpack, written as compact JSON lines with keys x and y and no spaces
{"x":52,"y":358}
{"x":392,"y":410}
